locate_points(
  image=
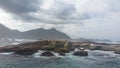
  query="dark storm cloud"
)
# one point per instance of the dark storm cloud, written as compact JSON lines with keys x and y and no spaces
{"x":62,"y":10}
{"x":26,"y":10}
{"x":21,"y":8}
{"x":59,"y":13}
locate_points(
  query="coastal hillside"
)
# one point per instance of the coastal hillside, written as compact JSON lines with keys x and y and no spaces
{"x":39,"y":33}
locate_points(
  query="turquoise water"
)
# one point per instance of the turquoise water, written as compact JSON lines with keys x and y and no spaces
{"x":10,"y":61}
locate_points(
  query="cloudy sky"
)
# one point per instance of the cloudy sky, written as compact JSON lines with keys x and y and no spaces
{"x":96,"y":19}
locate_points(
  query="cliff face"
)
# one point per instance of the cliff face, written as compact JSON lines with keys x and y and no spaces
{"x":32,"y":34}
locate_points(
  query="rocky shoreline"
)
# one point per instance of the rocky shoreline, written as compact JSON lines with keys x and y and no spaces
{"x":58,"y":46}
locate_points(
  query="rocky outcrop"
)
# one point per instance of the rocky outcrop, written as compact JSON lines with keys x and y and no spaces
{"x":58,"y":46}
{"x":48,"y":48}
{"x":25,"y":51}
{"x":47,"y":53}
{"x":81,"y":53}
{"x":10,"y":48}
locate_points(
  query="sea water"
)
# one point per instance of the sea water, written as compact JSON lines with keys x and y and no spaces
{"x":8,"y":60}
{"x":96,"y":59}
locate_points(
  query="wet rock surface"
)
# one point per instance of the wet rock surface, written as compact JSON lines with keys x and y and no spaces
{"x":62,"y":54}
{"x":81,"y":53}
{"x":47,"y":53}
{"x":25,"y":51}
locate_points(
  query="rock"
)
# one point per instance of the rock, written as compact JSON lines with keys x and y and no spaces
{"x":47,"y":53}
{"x":117,"y":51}
{"x":81,"y":53}
{"x":95,"y":47}
{"x":48,"y":48}
{"x":98,"y":48}
{"x":109,"y":48}
{"x":59,"y":44}
{"x":62,"y":54}
{"x":25,"y":51}
{"x":9,"y":48}
{"x":63,"y":50}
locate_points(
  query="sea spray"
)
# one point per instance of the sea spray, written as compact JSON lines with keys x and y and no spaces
{"x":99,"y":53}
{"x":6,"y":53}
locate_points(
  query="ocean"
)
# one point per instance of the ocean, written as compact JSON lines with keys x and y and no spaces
{"x":96,"y":59}
{"x":10,"y":61}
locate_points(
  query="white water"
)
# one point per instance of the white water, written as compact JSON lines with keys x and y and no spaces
{"x":6,"y":53}
{"x":100,"y":53}
{"x":69,"y":61}
{"x":95,"y":53}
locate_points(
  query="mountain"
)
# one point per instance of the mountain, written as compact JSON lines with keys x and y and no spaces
{"x":32,"y":34}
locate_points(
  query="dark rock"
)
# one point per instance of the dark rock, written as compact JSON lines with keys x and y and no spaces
{"x":81,"y":53}
{"x":96,"y":48}
{"x":25,"y":51}
{"x":62,"y":54}
{"x":117,"y":52}
{"x":47,"y":53}
{"x":9,"y":48}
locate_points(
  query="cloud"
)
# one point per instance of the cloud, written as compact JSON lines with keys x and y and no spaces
{"x":33,"y":11}
{"x":77,"y":18}
{"x":21,"y":8}
{"x":58,"y":11}
{"x":62,"y":10}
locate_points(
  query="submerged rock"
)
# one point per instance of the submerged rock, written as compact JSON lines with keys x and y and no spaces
{"x":81,"y":53}
{"x":47,"y":53}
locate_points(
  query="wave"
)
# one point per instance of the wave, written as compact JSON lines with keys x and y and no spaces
{"x":91,"y":54}
{"x":95,"y":53}
{"x":6,"y":53}
{"x":99,"y":53}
